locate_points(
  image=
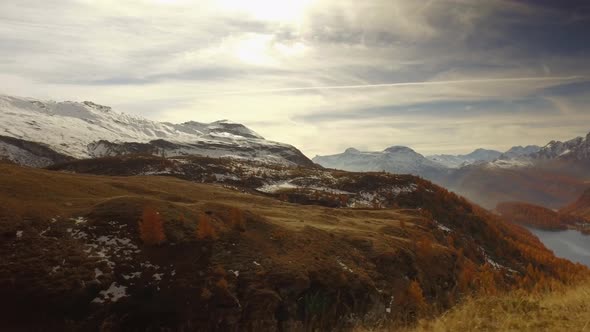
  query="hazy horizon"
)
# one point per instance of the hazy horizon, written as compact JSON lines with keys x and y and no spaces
{"x":444,"y":76}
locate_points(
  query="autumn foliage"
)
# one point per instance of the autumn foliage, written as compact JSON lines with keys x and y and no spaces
{"x":204,"y":228}
{"x":151,"y":227}
{"x":536,"y":216}
{"x":412,"y":302}
{"x":237,"y":218}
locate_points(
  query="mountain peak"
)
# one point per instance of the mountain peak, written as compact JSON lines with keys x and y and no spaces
{"x":399,"y":149}
{"x":88,"y":130}
{"x":101,"y":108}
{"x":351,"y":150}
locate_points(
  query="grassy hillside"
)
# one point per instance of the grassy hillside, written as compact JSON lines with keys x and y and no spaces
{"x":566,"y":310}
{"x":581,"y":207}
{"x":539,"y":217}
{"x":88,"y":252}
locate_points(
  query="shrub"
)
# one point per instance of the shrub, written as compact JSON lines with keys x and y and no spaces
{"x":237,"y":219}
{"x":151,"y":227}
{"x":415,"y":298}
{"x":204,"y":229}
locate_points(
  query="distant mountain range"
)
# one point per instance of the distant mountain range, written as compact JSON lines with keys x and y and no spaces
{"x":457,"y":161}
{"x":395,"y":159}
{"x":550,"y":176}
{"x":41,"y":133}
{"x":401,"y":159}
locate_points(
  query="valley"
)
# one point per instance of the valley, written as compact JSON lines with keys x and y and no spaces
{"x":202,"y":227}
{"x":569,"y":244}
{"x":294,"y":166}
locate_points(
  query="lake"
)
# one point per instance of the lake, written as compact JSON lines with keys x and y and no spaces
{"x":569,"y":244}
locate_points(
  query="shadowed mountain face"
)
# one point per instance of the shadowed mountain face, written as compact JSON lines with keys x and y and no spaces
{"x":88,"y":130}
{"x":581,"y":207}
{"x":29,"y":153}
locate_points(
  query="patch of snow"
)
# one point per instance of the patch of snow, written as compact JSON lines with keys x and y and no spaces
{"x":344,"y":267}
{"x":511,"y":163}
{"x":275,"y":187}
{"x":113,"y":294}
{"x":442,"y":227}
{"x":225,"y":177}
{"x":388,"y":309}
{"x":493,"y":263}
{"x":79,"y":220}
{"x":148,"y":264}
{"x":132,"y":275}
{"x":42,"y":233}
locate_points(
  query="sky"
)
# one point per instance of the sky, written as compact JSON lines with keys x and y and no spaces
{"x":439,"y":76}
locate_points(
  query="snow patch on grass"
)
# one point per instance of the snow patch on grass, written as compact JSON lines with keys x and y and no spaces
{"x":113,"y":294}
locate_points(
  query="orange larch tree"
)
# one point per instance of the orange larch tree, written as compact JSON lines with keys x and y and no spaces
{"x":151,"y":227}
{"x":204,"y":228}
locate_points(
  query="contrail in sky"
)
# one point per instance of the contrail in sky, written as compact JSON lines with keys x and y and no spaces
{"x":401,"y":84}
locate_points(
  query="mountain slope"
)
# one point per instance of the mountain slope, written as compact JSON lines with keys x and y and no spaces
{"x":87,"y":130}
{"x":539,"y":217}
{"x":29,"y":153}
{"x":520,"y":151}
{"x":76,"y":255}
{"x":395,"y":159}
{"x":581,"y":207}
{"x":575,"y":150}
{"x":551,"y":184}
{"x":456,"y":161}
{"x":552,"y":177}
{"x":558,"y":310}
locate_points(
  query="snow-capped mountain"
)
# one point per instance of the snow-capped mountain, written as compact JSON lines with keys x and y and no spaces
{"x":576,"y":149}
{"x":456,"y":161}
{"x":395,"y":159}
{"x":520,"y":151}
{"x":86,"y":130}
{"x":552,"y":176}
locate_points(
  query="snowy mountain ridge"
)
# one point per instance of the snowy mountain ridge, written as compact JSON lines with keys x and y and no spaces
{"x":85,"y":130}
{"x":574,"y":149}
{"x":394,"y":159}
{"x":457,"y":161}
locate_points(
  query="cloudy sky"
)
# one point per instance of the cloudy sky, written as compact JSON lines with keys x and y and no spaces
{"x":323,"y":75}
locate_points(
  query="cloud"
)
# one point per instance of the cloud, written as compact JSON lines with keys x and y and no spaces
{"x":439,"y":76}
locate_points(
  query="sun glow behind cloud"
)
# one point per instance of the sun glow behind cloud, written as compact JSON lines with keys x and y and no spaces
{"x":368,"y":73}
{"x":288,"y":11}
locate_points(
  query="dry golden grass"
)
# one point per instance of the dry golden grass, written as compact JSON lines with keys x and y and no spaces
{"x":25,"y":190}
{"x":567,"y":310}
